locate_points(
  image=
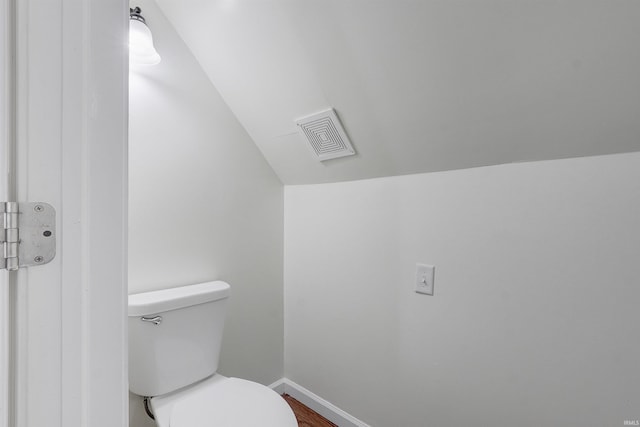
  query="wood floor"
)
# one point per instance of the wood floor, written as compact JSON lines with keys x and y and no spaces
{"x":305,"y":416}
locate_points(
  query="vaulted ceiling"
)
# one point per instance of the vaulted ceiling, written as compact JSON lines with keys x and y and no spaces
{"x":424,"y":85}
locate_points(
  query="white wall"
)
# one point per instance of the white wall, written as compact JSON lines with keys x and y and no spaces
{"x":534,"y":321}
{"x":204,"y":205}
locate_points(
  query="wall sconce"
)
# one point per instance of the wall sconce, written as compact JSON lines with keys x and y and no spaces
{"x":141,"y":49}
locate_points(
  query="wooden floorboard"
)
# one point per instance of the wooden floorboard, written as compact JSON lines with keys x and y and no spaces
{"x":305,"y":416}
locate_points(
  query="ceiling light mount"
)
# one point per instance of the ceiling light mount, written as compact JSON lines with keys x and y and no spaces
{"x":134,"y":13}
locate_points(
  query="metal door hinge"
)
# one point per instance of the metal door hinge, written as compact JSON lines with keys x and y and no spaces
{"x":27,"y":235}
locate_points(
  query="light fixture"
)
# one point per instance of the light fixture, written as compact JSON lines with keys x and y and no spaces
{"x":141,"y":49}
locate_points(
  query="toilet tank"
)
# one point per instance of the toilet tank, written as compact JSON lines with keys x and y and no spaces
{"x":175,"y":336}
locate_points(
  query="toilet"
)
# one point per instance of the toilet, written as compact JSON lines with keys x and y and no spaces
{"x":174,"y":346}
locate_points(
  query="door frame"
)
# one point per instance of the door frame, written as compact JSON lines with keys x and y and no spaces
{"x":66,"y":344}
{"x":6,"y":150}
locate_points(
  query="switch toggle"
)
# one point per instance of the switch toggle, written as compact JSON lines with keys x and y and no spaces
{"x":424,"y":278}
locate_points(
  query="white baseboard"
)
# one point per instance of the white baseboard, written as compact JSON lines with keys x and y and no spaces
{"x":278,"y":386}
{"x":318,"y":404}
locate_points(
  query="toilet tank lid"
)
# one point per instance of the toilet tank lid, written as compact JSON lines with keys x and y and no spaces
{"x":171,"y":299}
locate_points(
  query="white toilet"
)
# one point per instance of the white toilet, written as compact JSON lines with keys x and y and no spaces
{"x":174,"y":345}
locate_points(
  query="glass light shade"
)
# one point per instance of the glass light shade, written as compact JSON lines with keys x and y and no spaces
{"x":141,"y":49}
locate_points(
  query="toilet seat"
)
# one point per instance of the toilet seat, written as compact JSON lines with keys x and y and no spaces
{"x":223,"y":402}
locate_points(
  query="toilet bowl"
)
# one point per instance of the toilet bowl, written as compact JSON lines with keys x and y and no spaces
{"x":220,"y":401}
{"x":174,"y":347}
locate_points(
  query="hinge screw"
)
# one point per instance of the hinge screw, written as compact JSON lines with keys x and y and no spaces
{"x":38,"y":259}
{"x":38,"y":208}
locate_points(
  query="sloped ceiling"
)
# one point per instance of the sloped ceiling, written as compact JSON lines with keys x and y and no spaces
{"x":425,"y":85}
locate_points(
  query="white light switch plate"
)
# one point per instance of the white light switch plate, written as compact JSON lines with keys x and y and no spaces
{"x":424,"y":278}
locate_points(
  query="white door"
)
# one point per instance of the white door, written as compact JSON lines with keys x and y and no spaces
{"x":63,"y":335}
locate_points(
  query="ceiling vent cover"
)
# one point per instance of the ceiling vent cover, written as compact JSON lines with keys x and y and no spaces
{"x":325,"y":135}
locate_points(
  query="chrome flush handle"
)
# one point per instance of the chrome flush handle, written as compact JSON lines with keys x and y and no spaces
{"x":155,"y":320}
